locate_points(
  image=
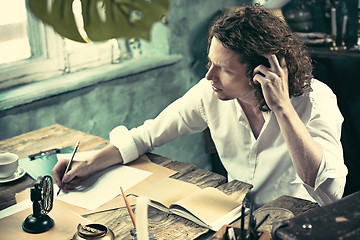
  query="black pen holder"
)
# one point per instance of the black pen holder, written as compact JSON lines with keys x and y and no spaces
{"x":93,"y":231}
{"x":222,"y":233}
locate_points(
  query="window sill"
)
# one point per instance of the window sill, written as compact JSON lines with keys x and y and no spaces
{"x":73,"y":81}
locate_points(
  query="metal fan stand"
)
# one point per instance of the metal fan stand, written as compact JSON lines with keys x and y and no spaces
{"x":42,"y":197}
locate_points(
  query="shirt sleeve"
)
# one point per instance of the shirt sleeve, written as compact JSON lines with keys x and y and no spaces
{"x":329,"y":190}
{"x":121,"y":138}
{"x":182,"y":117}
{"x":325,"y":127}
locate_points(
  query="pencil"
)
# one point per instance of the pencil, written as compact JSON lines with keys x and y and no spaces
{"x":68,"y":166}
{"x":128,"y":208}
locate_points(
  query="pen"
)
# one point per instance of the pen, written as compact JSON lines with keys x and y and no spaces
{"x":42,"y":153}
{"x":262,"y":221}
{"x":68,"y":166}
{"x":128,"y":208}
{"x":249,"y":233}
{"x":242,"y":223}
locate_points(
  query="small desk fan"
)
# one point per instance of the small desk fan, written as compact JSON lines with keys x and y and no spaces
{"x":42,"y":196}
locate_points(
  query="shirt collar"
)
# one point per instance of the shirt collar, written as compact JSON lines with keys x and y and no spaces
{"x":241,"y":114}
{"x":239,"y":110}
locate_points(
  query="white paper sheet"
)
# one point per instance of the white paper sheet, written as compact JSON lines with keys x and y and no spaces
{"x":102,"y":186}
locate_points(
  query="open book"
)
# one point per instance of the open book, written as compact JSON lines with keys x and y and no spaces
{"x":208,"y":207}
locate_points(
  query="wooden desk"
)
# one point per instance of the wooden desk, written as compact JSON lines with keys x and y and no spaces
{"x":55,"y":136}
{"x":164,"y":226}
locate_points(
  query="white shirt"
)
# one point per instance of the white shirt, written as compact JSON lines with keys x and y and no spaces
{"x":263,"y":162}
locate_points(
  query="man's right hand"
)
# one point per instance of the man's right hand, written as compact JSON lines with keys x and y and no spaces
{"x":79,"y":170}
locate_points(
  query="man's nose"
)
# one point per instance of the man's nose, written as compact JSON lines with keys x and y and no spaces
{"x":210,"y":75}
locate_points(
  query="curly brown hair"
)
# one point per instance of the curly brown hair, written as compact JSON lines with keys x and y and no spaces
{"x":254,"y":32}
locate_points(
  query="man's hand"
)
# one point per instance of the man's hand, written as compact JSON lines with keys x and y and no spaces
{"x":79,"y":171}
{"x":305,"y":153}
{"x":274,"y":83}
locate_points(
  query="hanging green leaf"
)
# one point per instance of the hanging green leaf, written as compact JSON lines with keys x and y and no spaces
{"x":100,"y":20}
{"x":61,"y":17}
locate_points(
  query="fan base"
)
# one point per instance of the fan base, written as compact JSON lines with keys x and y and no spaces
{"x":38,"y":224}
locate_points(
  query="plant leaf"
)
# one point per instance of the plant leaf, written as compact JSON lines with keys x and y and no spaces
{"x":103,"y":19}
{"x":61,"y":17}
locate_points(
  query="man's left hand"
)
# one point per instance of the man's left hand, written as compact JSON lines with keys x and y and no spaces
{"x":274,"y":82}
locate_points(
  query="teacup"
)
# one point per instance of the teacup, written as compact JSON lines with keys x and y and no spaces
{"x":8,"y":164}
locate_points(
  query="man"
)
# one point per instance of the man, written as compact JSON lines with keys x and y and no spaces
{"x":272,"y":124}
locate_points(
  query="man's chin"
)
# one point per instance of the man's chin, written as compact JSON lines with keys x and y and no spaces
{"x":222,"y":97}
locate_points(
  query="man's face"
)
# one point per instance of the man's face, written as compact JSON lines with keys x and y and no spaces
{"x":227,"y":75}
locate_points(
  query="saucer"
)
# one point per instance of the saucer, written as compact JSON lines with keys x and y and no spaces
{"x":276,"y":214}
{"x":18,"y":174}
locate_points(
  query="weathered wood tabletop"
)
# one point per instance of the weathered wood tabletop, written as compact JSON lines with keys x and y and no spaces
{"x":163,"y":225}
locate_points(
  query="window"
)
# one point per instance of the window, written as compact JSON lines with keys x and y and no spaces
{"x":31,"y":51}
{"x":13,"y":32}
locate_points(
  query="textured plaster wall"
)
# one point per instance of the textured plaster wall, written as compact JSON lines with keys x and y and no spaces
{"x":131,"y":100}
{"x":188,"y":22}
{"x":98,"y":109}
